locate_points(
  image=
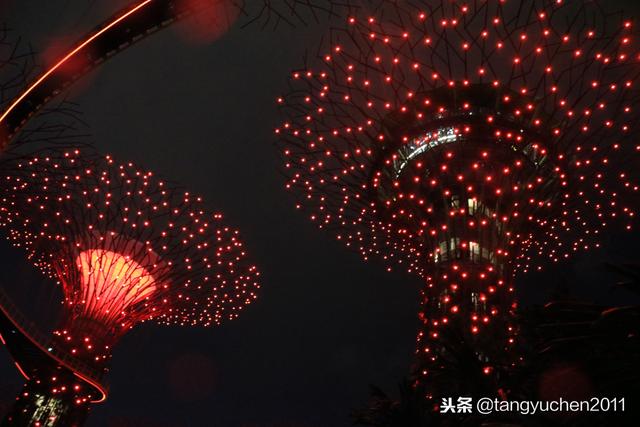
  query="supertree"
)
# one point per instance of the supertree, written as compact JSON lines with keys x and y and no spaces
{"x":22,"y":98}
{"x":125,"y":247}
{"x":467,"y":142}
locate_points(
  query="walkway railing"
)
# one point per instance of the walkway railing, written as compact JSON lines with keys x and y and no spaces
{"x":45,"y":342}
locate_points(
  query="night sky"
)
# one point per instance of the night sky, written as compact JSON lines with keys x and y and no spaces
{"x":326,"y":324}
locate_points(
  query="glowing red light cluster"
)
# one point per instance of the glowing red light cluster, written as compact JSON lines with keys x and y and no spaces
{"x":125,"y":246}
{"x":468,"y":142}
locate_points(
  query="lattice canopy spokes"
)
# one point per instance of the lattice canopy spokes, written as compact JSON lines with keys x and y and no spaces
{"x":125,"y":246}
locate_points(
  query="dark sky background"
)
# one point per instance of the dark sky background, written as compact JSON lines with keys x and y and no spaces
{"x":326,"y":324}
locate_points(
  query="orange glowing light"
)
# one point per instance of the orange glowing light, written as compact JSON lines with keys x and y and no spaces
{"x":21,"y":371}
{"x":111,"y":282}
{"x":103,"y":392}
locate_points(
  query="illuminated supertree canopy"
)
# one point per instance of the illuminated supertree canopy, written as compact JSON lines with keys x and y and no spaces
{"x":468,"y":142}
{"x":125,"y":246}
